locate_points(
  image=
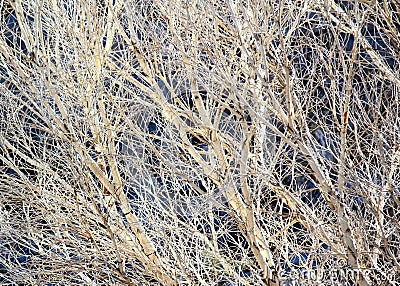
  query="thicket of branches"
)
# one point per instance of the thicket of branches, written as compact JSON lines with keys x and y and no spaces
{"x":199,"y":142}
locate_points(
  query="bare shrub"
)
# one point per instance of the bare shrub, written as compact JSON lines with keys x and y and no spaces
{"x":199,"y":142}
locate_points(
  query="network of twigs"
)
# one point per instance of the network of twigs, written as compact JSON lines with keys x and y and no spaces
{"x":199,"y":142}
